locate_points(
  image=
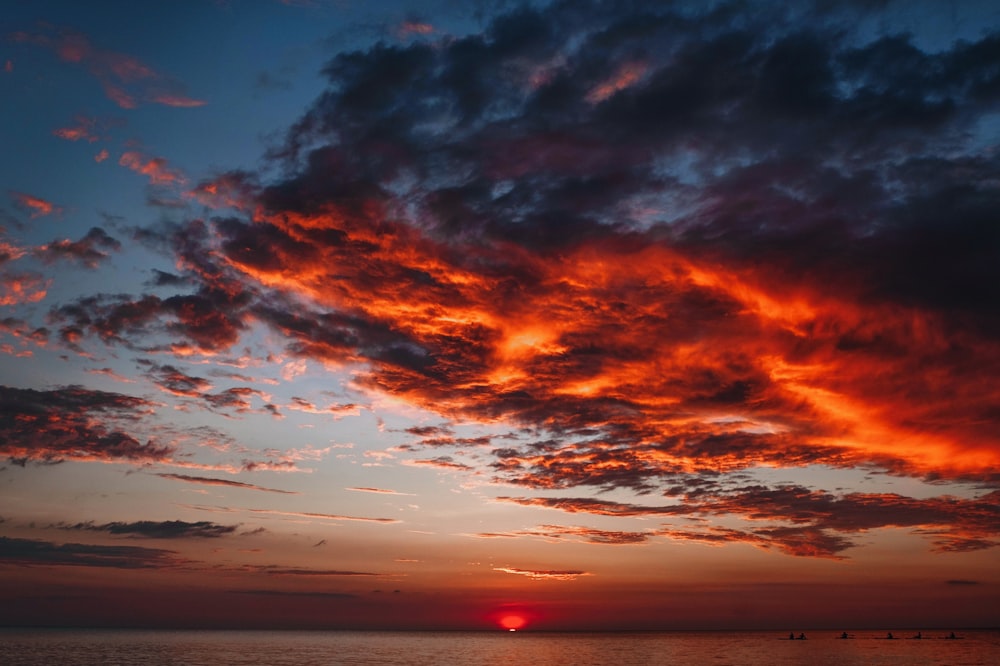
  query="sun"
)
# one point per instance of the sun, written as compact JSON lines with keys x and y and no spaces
{"x":512,"y":622}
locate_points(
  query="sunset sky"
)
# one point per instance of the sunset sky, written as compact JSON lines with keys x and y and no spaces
{"x":480,"y":315}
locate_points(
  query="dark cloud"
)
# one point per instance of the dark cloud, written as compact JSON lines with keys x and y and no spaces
{"x":804,"y":522}
{"x":175,"y":381}
{"x":557,"y":533}
{"x":212,"y":481}
{"x":34,"y":552}
{"x":276,"y":570}
{"x":166,"y":529}
{"x":90,"y":251}
{"x":74,"y":423}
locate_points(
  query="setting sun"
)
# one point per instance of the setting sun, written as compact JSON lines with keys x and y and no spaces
{"x":512,"y":622}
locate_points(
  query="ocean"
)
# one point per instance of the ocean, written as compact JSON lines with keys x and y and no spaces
{"x":51,"y":647}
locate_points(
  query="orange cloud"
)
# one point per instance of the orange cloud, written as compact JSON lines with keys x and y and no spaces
{"x":537,"y":574}
{"x":154,"y":168}
{"x":625,"y":77}
{"x":83,"y":129}
{"x":407,"y":28}
{"x":37,"y":206}
{"x":16,"y":288}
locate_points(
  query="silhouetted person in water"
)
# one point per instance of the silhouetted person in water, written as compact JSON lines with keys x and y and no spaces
{"x":919,"y":635}
{"x":952,"y":635}
{"x":791,"y":636}
{"x":889,"y":635}
{"x":802,"y":637}
{"x":844,"y":635}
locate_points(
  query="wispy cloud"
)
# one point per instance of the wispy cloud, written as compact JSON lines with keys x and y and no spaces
{"x":212,"y":481}
{"x":322,"y":516}
{"x":126,"y":80}
{"x":544,"y":574}
{"x":150,"y":529}
{"x":35,"y":206}
{"x":35,"y":552}
{"x":154,"y":168}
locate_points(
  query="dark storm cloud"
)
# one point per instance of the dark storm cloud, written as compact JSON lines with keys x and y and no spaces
{"x":74,"y":423}
{"x":775,"y":148}
{"x":165,"y":529}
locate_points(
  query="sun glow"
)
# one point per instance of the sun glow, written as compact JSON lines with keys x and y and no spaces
{"x":512,"y":622}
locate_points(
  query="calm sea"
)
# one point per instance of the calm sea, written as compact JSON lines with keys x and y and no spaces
{"x":20,"y":647}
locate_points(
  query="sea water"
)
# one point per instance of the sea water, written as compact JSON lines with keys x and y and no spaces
{"x":31,"y":647}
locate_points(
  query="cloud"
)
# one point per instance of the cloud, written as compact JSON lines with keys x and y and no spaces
{"x":171,"y":379}
{"x":442,"y":462}
{"x":277,"y":570}
{"x":665,"y":247}
{"x":22,"y":287}
{"x":211,"y":481}
{"x":800,"y":521}
{"x":235,"y":189}
{"x":34,"y":552}
{"x":74,"y":423}
{"x":381,"y":491}
{"x":154,"y":168}
{"x":535,"y":574}
{"x":84,"y":128}
{"x":555,"y":533}
{"x":90,"y":251}
{"x":166,"y":529}
{"x":126,"y":80}
{"x":108,"y":372}
{"x":413,"y":27}
{"x":36,"y":206}
{"x":322,"y":516}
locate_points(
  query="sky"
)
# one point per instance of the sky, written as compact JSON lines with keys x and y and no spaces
{"x":451,"y":315}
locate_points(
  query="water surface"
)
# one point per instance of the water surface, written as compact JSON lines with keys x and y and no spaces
{"x":31,"y":647}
